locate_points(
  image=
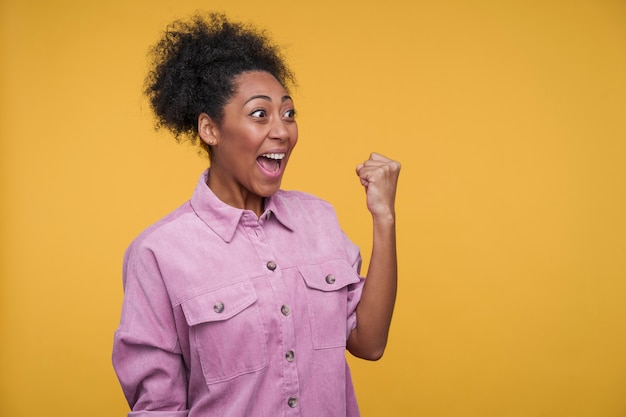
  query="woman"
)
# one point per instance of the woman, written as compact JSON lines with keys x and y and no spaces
{"x":242,"y":301}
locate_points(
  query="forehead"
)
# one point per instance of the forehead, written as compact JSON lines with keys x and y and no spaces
{"x":253,"y":83}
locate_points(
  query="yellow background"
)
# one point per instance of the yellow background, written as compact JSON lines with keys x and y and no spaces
{"x":509,"y":120}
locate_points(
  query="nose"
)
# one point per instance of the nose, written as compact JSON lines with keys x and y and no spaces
{"x":279,"y":130}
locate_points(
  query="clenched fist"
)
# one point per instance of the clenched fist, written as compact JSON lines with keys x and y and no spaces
{"x":379,"y":176}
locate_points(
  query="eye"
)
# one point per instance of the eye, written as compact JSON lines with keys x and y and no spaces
{"x":290,"y":114}
{"x":258,"y":113}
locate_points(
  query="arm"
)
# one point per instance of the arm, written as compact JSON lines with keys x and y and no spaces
{"x":146,"y":355}
{"x":379,"y":176}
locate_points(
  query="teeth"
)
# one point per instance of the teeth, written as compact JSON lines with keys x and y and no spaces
{"x":273,"y":155}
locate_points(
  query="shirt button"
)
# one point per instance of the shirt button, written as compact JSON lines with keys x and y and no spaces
{"x":292,"y":402}
{"x":218,"y":307}
{"x":290,"y":356}
{"x":330,"y":279}
{"x":271,"y":265}
{"x":285,"y":310}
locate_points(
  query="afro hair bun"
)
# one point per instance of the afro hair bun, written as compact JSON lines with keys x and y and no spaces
{"x":194,"y":64}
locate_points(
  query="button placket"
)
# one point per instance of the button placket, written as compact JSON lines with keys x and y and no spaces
{"x":274,"y":276}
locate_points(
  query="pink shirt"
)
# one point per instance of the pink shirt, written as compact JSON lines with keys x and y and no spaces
{"x":230,"y":315}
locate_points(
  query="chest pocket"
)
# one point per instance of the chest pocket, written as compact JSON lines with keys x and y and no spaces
{"x":327,"y":298}
{"x":226,"y":330}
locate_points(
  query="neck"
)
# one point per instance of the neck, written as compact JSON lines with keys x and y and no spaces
{"x":235,"y":195}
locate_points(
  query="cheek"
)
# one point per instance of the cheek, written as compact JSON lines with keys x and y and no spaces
{"x":293,"y":134}
{"x":248,"y":141}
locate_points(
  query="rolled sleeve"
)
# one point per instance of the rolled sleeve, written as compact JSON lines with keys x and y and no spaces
{"x":158,"y":413}
{"x":151,"y":378}
{"x":146,"y":354}
{"x":354,"y":290}
{"x":354,"y":296}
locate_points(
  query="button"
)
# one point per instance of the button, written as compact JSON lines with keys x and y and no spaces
{"x":271,"y":265}
{"x":290,"y":356}
{"x":330,"y":279}
{"x":292,"y":402}
{"x":285,"y":309}
{"x":218,"y":307}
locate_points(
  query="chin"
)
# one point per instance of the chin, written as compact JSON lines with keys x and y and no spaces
{"x":269,"y":190}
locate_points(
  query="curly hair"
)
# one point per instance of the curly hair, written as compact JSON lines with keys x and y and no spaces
{"x":194,"y":66}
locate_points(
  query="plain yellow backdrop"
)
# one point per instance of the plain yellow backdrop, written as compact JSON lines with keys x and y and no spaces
{"x":509,"y":118}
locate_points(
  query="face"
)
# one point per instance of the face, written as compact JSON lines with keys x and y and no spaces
{"x":252,"y":145}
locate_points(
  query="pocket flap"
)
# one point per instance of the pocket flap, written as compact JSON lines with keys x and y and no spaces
{"x":220,"y":304}
{"x":329,"y":276}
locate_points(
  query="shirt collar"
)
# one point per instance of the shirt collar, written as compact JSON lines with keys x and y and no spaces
{"x":224,"y":219}
{"x":277,"y":206}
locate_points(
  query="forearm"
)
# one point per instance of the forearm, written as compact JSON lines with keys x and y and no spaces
{"x":369,"y":339}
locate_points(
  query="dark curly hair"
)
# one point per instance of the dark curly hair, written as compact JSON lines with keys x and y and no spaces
{"x":194,"y":66}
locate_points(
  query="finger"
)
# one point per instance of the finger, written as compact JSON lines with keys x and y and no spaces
{"x":372,"y":162}
{"x":380,"y":169}
{"x":393,"y":166}
{"x":367,"y":174}
{"x":374,"y":156}
{"x":367,"y":168}
{"x":377,"y":167}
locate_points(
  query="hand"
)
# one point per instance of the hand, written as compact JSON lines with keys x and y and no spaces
{"x":379,"y":176}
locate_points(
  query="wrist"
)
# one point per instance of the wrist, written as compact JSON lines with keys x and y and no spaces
{"x":388,"y":218}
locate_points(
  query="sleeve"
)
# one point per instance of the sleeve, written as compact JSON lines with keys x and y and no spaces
{"x":354,"y":290}
{"x":146,"y":354}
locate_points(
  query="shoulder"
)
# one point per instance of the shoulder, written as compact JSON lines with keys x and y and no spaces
{"x":167,"y":226}
{"x":306,"y":211}
{"x":302,"y":198}
{"x":301,"y":206}
{"x":316,"y":220}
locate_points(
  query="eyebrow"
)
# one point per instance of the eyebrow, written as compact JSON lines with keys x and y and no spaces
{"x":267,"y":98}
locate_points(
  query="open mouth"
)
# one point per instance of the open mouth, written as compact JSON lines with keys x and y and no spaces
{"x":271,"y":161}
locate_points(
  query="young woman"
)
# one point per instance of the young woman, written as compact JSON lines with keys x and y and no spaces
{"x":243,"y":301}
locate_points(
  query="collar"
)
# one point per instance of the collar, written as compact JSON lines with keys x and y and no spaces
{"x":224,"y":219}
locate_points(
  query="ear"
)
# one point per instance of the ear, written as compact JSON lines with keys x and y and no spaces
{"x":207,"y":129}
